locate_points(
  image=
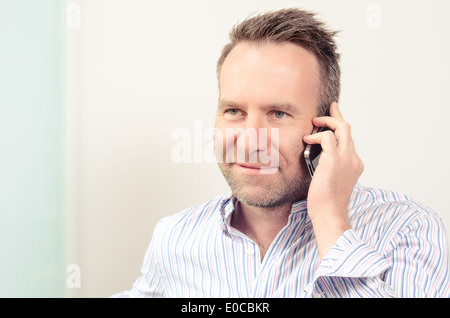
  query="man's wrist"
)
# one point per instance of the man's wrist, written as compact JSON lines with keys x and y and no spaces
{"x":327,"y":230}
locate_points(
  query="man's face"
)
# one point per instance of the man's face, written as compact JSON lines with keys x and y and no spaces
{"x":273,"y":86}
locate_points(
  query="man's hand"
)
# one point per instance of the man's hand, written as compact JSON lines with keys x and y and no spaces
{"x":334,"y":179}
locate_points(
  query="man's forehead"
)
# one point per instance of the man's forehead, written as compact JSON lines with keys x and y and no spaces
{"x":281,"y":76}
{"x":246,"y":51}
{"x":282,"y":60}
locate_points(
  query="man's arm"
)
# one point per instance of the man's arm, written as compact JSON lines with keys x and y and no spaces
{"x":149,"y":284}
{"x":413,"y":263}
{"x":417,"y":262}
{"x":334,"y":179}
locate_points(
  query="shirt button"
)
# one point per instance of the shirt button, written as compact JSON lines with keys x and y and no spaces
{"x":250,"y":251}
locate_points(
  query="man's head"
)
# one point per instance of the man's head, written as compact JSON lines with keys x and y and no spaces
{"x":278,"y":72}
{"x":298,"y":27}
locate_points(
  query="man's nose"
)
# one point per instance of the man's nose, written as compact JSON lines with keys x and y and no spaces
{"x":256,"y":127}
{"x":253,"y":139}
{"x":255,"y":121}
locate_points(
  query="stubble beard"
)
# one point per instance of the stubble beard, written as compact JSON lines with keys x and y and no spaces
{"x":285,"y":188}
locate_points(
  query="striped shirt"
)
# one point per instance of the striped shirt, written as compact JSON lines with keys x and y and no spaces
{"x":396,"y":248}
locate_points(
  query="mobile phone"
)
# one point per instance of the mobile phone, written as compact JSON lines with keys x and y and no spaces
{"x":312,"y":152}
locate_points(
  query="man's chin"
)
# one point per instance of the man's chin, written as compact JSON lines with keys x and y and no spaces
{"x":265,"y":194}
{"x":260,"y":201}
{"x":265,"y":190}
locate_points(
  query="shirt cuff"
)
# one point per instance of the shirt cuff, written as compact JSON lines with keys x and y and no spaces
{"x":350,"y":257}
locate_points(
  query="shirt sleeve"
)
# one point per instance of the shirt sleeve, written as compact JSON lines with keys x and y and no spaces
{"x":415,"y":264}
{"x":149,"y":284}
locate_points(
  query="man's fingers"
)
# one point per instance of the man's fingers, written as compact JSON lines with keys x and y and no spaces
{"x":325,"y":138}
{"x":335,"y":122}
{"x":331,"y":121}
{"x":335,"y":112}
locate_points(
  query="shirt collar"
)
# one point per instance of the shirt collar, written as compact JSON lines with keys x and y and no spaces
{"x":229,"y":201}
{"x":299,"y":206}
{"x":227,"y":205}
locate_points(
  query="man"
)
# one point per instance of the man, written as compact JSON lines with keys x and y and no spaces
{"x":281,"y":233}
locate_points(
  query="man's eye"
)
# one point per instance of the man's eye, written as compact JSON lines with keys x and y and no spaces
{"x":279,"y":114}
{"x":233,"y":112}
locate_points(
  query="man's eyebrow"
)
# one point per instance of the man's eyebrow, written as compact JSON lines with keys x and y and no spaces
{"x":282,"y":106}
{"x":285,"y":107}
{"x":224,"y":103}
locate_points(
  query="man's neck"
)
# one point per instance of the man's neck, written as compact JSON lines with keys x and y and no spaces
{"x":260,"y":224}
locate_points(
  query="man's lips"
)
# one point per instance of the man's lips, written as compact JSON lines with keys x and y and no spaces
{"x":253,"y":165}
{"x":256,"y":168}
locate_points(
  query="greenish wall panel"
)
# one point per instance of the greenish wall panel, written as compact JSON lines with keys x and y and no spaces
{"x":32,"y":148}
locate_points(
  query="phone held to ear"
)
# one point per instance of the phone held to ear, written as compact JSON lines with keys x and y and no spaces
{"x":312,"y":152}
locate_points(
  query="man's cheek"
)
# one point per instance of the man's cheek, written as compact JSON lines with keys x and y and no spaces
{"x":224,"y":145}
{"x":271,"y":154}
{"x":293,"y":150}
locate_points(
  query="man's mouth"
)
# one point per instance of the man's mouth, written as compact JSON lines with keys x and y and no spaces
{"x":256,"y":168}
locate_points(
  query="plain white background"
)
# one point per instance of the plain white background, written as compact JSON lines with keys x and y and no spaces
{"x":138,"y":69}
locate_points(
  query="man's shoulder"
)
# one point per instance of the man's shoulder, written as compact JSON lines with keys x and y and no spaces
{"x":194,"y":217}
{"x":386,"y":206}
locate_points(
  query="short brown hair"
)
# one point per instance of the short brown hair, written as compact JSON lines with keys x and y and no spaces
{"x":299,"y":27}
